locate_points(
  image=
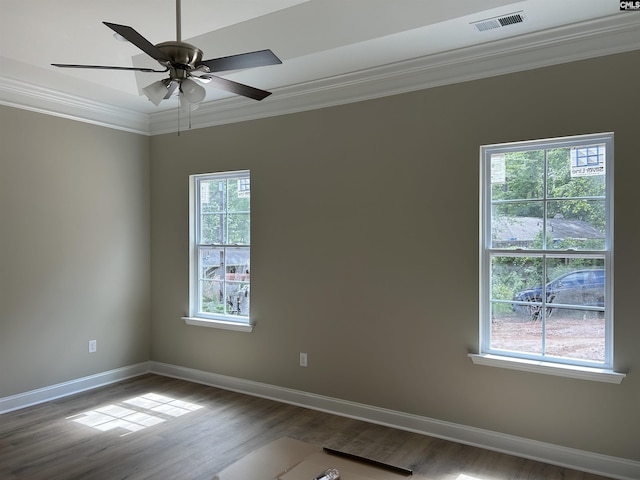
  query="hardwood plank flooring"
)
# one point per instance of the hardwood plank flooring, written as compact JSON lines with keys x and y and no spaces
{"x":63,"y":440}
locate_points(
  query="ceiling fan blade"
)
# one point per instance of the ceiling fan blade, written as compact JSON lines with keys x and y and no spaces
{"x":138,"y":40}
{"x":235,"y":87}
{"x":108,"y":67}
{"x":243,"y":60}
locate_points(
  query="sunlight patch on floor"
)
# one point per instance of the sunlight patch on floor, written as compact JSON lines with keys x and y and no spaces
{"x":135,"y":414}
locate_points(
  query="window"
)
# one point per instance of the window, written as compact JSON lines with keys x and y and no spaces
{"x":546,"y":251}
{"x":220,"y":272}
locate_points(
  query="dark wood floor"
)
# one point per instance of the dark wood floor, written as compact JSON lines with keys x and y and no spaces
{"x":214,"y":428}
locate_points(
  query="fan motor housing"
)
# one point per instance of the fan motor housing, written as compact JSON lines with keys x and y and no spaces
{"x":181,"y":55}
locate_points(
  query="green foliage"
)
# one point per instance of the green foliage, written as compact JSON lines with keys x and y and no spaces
{"x":510,"y":274}
{"x":525,"y":174}
{"x":225,"y":213}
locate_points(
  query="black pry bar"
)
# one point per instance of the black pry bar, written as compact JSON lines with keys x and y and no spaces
{"x":357,"y":458}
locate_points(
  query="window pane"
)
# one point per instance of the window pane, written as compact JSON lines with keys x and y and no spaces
{"x":517,"y":225}
{"x":576,"y":281}
{"x":577,"y":224}
{"x":239,"y":195}
{"x":211,"y":229}
{"x":517,"y":175}
{"x":515,"y":331}
{"x":576,"y":172}
{"x":237,"y":258}
{"x":211,"y":261}
{"x":238,"y":298}
{"x":576,"y":334}
{"x":238,"y":228}
{"x":237,"y":281}
{"x":514,"y":305}
{"x":510,"y":275}
{"x":211,"y":285}
{"x":211,"y":296}
{"x":212,"y":196}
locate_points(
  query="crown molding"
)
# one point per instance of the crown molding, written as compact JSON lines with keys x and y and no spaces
{"x":616,"y":34}
{"x":35,"y":98}
{"x":606,"y":36}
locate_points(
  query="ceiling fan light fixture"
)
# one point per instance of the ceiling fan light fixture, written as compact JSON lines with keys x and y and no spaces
{"x":156,"y":92}
{"x":191,"y":91}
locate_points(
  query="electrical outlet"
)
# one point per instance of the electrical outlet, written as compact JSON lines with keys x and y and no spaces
{"x":303,"y":359}
{"x":93,"y":346}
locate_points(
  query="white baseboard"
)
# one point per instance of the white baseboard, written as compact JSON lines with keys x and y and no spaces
{"x":609,"y":466}
{"x":614,"y":467}
{"x":45,"y":394}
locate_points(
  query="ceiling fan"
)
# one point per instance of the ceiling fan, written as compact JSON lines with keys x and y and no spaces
{"x":186,"y":68}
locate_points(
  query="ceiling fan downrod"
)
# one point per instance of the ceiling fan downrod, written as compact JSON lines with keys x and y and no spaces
{"x":182,"y":57}
{"x":178,"y":21}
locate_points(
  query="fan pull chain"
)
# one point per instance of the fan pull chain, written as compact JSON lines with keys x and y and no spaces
{"x":181,"y":106}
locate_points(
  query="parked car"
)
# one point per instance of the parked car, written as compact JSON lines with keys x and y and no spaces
{"x":580,"y":287}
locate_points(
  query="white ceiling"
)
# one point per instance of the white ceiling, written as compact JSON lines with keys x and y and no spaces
{"x":333,"y":51}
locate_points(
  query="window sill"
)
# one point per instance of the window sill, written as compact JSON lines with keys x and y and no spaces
{"x":221,"y":324}
{"x":548,"y":368}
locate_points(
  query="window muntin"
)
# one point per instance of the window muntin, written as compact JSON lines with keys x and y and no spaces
{"x":546,"y":261}
{"x":221,"y":247}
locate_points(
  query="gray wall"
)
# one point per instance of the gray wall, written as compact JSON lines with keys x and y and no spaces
{"x":74,"y":250}
{"x":381,"y":290}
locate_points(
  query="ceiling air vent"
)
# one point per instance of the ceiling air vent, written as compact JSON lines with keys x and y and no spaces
{"x":499,"y":22}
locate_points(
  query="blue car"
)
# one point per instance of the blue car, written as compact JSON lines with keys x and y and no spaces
{"x":580,"y":287}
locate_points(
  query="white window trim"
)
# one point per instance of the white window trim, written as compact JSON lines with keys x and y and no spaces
{"x":222,"y":322}
{"x":549,"y":368}
{"x":571,"y":370}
